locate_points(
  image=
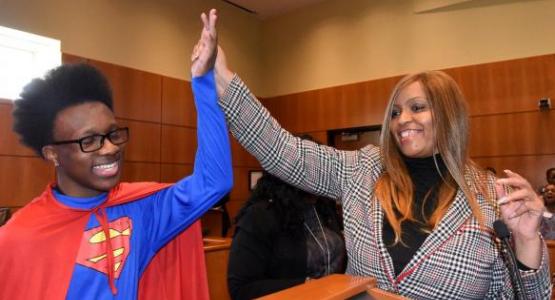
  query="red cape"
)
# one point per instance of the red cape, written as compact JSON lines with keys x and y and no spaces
{"x":40,"y":267}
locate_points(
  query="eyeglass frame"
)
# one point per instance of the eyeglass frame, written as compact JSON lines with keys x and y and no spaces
{"x":103,"y":137}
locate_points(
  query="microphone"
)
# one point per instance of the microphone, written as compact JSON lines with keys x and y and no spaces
{"x":503,"y":233}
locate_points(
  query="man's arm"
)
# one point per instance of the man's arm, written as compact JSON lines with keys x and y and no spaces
{"x":179,"y":206}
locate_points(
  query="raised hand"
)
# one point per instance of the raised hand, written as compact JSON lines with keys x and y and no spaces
{"x":522,"y":211}
{"x":222,"y":73}
{"x":206,"y":49}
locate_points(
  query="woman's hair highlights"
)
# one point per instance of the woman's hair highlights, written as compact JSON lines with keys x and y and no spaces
{"x":394,"y":188}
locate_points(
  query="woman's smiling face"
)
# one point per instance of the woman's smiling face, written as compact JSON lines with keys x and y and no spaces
{"x":411,"y":122}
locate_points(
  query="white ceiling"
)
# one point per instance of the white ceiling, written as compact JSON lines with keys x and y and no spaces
{"x":270,"y":8}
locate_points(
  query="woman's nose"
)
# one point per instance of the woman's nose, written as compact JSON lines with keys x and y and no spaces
{"x":405,"y":117}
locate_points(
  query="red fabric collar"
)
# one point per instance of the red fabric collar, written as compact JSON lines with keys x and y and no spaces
{"x":40,"y":267}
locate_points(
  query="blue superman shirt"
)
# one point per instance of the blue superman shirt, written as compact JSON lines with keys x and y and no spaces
{"x":140,"y":228}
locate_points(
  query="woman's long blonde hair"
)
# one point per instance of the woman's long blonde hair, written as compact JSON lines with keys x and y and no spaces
{"x":394,"y":188}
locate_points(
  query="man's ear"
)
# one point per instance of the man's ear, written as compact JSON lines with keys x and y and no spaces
{"x":50,"y":154}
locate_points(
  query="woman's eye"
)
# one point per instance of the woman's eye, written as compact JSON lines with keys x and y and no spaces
{"x":395,"y":114}
{"x":418,"y":107}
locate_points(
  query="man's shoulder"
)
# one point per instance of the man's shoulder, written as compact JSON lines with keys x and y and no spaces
{"x":131,"y":191}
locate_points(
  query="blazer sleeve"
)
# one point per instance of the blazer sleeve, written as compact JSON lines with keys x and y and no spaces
{"x":315,"y":168}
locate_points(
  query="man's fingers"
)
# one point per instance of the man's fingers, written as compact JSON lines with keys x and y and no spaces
{"x":212,"y":20}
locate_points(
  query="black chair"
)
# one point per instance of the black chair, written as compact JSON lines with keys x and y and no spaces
{"x":5,"y":214}
{"x":217,"y":219}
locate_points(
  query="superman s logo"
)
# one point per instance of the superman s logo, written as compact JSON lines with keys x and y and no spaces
{"x":93,"y":250}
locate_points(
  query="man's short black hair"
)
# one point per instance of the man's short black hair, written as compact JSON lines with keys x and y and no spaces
{"x":549,"y":172}
{"x":42,"y":99}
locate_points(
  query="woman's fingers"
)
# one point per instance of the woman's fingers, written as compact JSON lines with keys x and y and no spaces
{"x":514,"y":180}
{"x":515,"y":196}
{"x":500,"y":190}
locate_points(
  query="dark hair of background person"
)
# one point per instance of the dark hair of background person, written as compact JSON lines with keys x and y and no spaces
{"x":549,"y":172}
{"x":284,"y":200}
{"x":42,"y":99}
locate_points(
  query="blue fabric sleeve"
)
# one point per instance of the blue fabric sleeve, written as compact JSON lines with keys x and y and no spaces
{"x":178,"y":206}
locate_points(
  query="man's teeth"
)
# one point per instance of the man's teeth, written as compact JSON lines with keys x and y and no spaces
{"x":108,"y":166}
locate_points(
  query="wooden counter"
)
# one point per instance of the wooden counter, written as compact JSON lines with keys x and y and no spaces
{"x":216,"y":252}
{"x":335,"y":287}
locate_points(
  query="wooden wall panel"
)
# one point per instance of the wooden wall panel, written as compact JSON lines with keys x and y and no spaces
{"x":241,"y":183}
{"x":529,"y":133}
{"x":144,"y":141}
{"x":22,"y":179}
{"x":9,"y":141}
{"x":240,"y":156}
{"x":352,"y":105}
{"x":507,"y":86}
{"x":137,"y":94}
{"x":178,"y":107}
{"x":174,"y":172}
{"x":319,"y":136}
{"x":73,"y":59}
{"x":179,"y":144}
{"x":532,"y":167}
{"x":133,"y":171}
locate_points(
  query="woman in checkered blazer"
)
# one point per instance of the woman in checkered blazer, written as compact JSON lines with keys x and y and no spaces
{"x":417,"y":212}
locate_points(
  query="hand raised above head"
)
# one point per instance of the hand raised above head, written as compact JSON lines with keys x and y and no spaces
{"x":205,"y":51}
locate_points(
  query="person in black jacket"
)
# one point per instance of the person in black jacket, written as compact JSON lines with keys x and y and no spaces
{"x":281,"y":241}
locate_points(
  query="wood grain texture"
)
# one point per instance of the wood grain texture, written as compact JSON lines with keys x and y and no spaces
{"x":352,"y":105}
{"x":174,"y":172}
{"x":532,"y":167}
{"x":134,"y":171}
{"x":528,"y":133}
{"x":9,"y":141}
{"x":178,"y":107}
{"x":144,"y":141}
{"x":137,"y":94}
{"x":179,"y":144}
{"x":22,"y":179}
{"x":240,"y":156}
{"x":216,"y":256}
{"x":507,"y":86}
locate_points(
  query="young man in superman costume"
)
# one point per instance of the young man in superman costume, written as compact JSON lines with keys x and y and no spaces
{"x":59,"y":245}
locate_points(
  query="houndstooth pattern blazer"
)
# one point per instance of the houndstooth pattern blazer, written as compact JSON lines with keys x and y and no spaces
{"x":458,"y":260}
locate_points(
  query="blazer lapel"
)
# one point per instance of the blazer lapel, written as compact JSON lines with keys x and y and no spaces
{"x":386,"y":262}
{"x":454,"y":218}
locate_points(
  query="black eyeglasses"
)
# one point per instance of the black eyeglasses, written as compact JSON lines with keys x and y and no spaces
{"x":94,"y":142}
